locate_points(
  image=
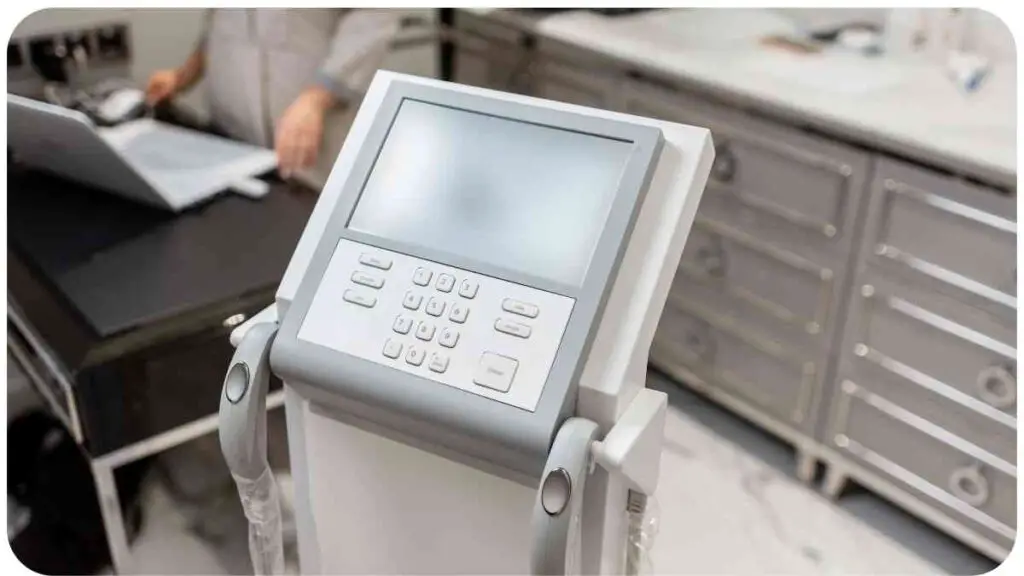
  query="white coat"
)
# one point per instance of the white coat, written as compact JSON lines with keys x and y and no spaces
{"x":257,"y":61}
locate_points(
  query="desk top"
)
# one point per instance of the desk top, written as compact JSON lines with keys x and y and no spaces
{"x":903,"y":105}
{"x":119,"y":266}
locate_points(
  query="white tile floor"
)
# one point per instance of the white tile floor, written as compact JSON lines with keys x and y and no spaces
{"x":728,"y":501}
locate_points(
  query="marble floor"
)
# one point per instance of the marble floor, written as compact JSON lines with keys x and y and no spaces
{"x":728,"y":503}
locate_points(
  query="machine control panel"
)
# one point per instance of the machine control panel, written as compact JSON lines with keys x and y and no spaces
{"x":480,"y":334}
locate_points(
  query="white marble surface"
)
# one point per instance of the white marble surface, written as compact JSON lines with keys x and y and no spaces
{"x":902,"y":103}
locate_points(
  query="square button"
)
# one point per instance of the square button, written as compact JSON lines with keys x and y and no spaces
{"x":422,"y":276}
{"x":425,"y":331}
{"x":459,"y":313}
{"x":445,"y":282}
{"x":392,"y":348}
{"x":415,"y":355}
{"x":449,"y":337}
{"x":403,"y":324}
{"x":412,"y":300}
{"x":468,"y":288}
{"x":495,"y":371}
{"x":435,"y":307}
{"x":438,"y":362}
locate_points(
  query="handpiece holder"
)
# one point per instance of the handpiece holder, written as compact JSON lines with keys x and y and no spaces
{"x":630,"y":450}
{"x":243,"y":440}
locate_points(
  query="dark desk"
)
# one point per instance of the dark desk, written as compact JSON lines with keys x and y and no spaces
{"x":120,"y":313}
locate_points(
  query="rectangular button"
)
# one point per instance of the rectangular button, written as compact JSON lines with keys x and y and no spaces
{"x":415,"y":355}
{"x":422,"y":276}
{"x":412,"y":300}
{"x":459,"y":313}
{"x":376,"y":261}
{"x":445,"y":282}
{"x":438,"y":362}
{"x":403,"y":324}
{"x":435,"y":307}
{"x":514,"y":328}
{"x":518,"y":307}
{"x":468,"y":288}
{"x":449,"y":337}
{"x":366,"y":279}
{"x":495,"y":371}
{"x":360,"y":298}
{"x":425,"y":331}
{"x":392,"y":348}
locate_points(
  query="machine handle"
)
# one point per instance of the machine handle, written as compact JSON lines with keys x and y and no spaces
{"x":243,"y":441}
{"x":559,"y":504}
{"x":997,"y":385}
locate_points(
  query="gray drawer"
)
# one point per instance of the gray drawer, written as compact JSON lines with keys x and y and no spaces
{"x":557,"y":81}
{"x":492,"y":64}
{"x":753,"y":367}
{"x":953,"y":236}
{"x":944,"y":372}
{"x":769,"y":175}
{"x":973,"y":486}
{"x":777,"y":283}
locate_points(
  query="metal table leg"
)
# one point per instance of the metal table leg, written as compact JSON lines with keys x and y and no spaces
{"x":113,"y":521}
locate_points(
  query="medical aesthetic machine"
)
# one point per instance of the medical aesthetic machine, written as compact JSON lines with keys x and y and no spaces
{"x":463,"y":334}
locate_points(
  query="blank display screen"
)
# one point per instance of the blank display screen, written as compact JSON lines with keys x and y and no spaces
{"x":528,"y":198}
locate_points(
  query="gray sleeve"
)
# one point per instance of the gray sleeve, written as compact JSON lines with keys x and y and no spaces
{"x":204,"y":31}
{"x":361,"y":41}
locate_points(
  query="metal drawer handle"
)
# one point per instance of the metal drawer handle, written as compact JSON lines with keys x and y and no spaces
{"x":997,"y":385}
{"x":712,"y":260}
{"x":968,"y":484}
{"x":724,"y":168}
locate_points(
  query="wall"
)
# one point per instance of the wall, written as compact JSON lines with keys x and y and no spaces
{"x":162,"y":38}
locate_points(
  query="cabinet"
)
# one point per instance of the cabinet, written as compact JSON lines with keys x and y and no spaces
{"x":859,"y":306}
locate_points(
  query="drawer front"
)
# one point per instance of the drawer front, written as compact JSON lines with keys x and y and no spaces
{"x":753,"y":367}
{"x":772,"y":174}
{"x":944,"y":372}
{"x":498,"y":66}
{"x":780,"y":284}
{"x":957,"y":237}
{"x":973,"y":485}
{"x":555,"y":81}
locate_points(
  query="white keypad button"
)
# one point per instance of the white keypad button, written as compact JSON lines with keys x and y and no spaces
{"x":445,"y":282}
{"x":449,"y":337}
{"x":468,"y":288}
{"x":360,"y":298}
{"x":459,"y":313}
{"x":495,"y":371}
{"x":375,"y":260}
{"x":367,"y":279}
{"x":438,"y":362}
{"x":422,"y":276}
{"x":425,"y":331}
{"x":412,"y":300}
{"x":507,"y":326}
{"x":403,"y":324}
{"x":435,"y":307}
{"x":392,"y":348}
{"x":520,"y":308}
{"x":415,"y":355}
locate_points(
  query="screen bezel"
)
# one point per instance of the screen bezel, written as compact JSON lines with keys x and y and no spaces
{"x":644,"y":142}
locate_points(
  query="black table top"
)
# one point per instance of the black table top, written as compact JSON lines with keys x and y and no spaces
{"x":117,"y":265}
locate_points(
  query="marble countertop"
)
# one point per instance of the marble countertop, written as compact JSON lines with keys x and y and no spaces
{"x":906,"y":106}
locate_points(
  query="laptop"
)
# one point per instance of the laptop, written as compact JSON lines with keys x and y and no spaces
{"x":144,"y":160}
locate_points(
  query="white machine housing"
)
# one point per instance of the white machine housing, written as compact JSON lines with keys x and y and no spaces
{"x":370,"y":501}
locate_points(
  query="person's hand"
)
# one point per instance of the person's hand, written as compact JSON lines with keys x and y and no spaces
{"x":300,"y":130}
{"x":162,"y":85}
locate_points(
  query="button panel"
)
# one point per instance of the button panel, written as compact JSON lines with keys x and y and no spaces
{"x":483,"y":335}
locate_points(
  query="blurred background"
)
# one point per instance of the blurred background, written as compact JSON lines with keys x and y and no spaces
{"x":839,"y":346}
